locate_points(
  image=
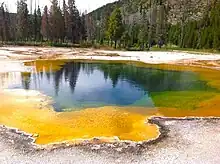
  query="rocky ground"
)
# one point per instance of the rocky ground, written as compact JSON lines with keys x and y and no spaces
{"x":184,"y":141}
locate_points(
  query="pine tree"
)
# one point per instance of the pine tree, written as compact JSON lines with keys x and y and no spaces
{"x":204,"y":38}
{"x":144,"y":26}
{"x":35,"y":24}
{"x":56,"y":22}
{"x":215,"y":22}
{"x":161,"y":23}
{"x":174,"y":32}
{"x":22,"y":20}
{"x":90,"y":27}
{"x":83,"y":28}
{"x":202,"y":24}
{"x":115,"y":29}
{"x":66,"y":17}
{"x":45,"y":24}
{"x":77,"y":31}
{"x":72,"y":21}
{"x":152,"y":24}
{"x":2,"y":20}
{"x":60,"y":29}
{"x":189,"y":34}
{"x":4,"y":23}
{"x":134,"y":32}
{"x":39,"y":18}
{"x":106,"y":25}
{"x":7,"y":25}
{"x":143,"y":36}
{"x":53,"y":21}
{"x":125,"y":38}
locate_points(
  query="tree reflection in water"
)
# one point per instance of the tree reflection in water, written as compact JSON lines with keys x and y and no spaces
{"x":81,"y":84}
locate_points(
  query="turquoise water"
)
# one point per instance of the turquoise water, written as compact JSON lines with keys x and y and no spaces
{"x":79,"y":85}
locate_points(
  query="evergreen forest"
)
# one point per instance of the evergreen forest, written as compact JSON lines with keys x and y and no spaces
{"x":127,"y":24}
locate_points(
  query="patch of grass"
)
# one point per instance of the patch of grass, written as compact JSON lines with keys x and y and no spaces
{"x":181,"y":99}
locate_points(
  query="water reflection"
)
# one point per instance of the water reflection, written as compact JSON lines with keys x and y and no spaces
{"x":81,"y":85}
{"x":9,"y":78}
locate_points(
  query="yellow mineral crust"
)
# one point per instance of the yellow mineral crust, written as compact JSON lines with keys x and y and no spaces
{"x":30,"y":111}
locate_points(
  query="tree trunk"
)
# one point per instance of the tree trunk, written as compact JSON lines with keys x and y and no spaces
{"x":115,"y":44}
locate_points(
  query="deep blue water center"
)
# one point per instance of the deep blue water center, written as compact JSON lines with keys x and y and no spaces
{"x":78,"y":85}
